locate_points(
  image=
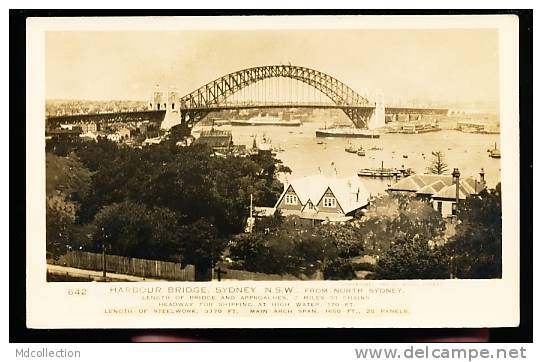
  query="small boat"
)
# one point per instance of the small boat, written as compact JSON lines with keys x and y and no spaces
{"x":350,"y":149}
{"x":360,"y":152}
{"x":405,"y":156}
{"x":495,"y":152}
{"x":320,"y":142}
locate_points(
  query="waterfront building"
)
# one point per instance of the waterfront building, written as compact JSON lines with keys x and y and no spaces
{"x":218,"y":141}
{"x":320,"y":198}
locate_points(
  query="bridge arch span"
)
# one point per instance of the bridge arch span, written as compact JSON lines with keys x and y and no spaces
{"x":197,"y":104}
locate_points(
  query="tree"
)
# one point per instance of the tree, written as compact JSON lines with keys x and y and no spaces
{"x":394,"y":218}
{"x":66,"y":176}
{"x":138,"y":231}
{"x":412,"y":259}
{"x":60,"y":226}
{"x":67,"y":181}
{"x":179,"y":132}
{"x":476,"y":248}
{"x":438,"y":165}
{"x":200,"y":245}
{"x":183,"y":179}
{"x":286,"y":245}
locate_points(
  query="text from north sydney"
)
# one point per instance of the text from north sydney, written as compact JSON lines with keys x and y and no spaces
{"x":277,"y":300}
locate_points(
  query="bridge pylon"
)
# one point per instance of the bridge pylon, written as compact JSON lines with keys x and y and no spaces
{"x":378,"y":116}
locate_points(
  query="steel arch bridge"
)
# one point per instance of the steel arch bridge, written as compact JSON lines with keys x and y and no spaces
{"x":213,"y":95}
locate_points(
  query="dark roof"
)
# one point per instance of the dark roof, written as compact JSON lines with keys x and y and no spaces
{"x":415,"y":183}
{"x":432,"y":188}
{"x":439,"y":186}
{"x":467,"y":187}
{"x":63,"y":131}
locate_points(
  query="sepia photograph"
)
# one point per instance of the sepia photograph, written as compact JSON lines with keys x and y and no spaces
{"x":272,"y":171}
{"x":273,"y":155}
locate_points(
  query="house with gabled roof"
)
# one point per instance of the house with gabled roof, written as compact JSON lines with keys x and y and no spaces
{"x":321,"y":198}
{"x":440,"y":190}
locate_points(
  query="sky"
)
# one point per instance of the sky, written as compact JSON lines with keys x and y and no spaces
{"x":437,"y":65}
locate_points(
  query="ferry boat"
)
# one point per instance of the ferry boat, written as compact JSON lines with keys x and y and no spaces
{"x":416,"y":128}
{"x":266,"y":120}
{"x":379,"y":172}
{"x":385,"y":172}
{"x":346,"y":132}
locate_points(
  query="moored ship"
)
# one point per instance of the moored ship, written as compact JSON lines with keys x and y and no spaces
{"x":346,"y":133}
{"x":266,"y":120}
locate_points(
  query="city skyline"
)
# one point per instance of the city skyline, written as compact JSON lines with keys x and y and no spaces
{"x":430,"y":65}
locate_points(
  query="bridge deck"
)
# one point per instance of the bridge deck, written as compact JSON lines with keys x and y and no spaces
{"x":158,"y":116}
{"x":153,"y":116}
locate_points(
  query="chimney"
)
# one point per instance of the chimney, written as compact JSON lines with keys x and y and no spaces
{"x":482,"y":177}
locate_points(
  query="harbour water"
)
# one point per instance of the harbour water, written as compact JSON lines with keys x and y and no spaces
{"x":306,"y":155}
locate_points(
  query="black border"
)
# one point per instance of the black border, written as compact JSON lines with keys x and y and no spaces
{"x":17,"y":179}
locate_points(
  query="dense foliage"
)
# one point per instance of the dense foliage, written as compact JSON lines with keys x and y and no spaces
{"x":67,"y":182}
{"x":476,"y":248}
{"x":413,"y":259}
{"x":287,"y":245}
{"x":162,"y":201}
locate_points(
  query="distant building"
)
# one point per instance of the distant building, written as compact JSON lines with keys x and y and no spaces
{"x":89,"y":135}
{"x":67,"y":126}
{"x":320,"y":198}
{"x":149,"y":129}
{"x":62,"y":140}
{"x":440,"y":190}
{"x":88,"y":127}
{"x":152,"y":141}
{"x":115,"y":137}
{"x":124,"y":133}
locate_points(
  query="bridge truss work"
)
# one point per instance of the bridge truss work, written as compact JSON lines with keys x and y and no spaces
{"x":213,"y":95}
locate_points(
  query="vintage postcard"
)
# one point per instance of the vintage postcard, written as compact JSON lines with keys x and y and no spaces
{"x":272,"y":171}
